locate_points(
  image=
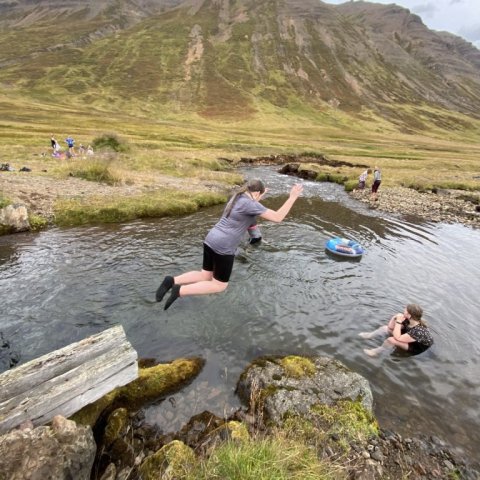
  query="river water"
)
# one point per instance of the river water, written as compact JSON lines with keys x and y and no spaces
{"x":286,"y":296}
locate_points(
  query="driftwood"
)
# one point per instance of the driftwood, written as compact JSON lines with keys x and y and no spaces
{"x":64,"y":381}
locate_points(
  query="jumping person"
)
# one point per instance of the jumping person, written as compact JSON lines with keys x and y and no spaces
{"x":222,"y":241}
{"x":408,"y":331}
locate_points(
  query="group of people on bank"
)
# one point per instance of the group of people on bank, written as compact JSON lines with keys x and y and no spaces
{"x":70,"y":149}
{"x":407,"y":331}
{"x":377,"y":180}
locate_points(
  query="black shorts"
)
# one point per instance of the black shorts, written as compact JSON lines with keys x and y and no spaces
{"x":220,"y":265}
{"x":415,"y":348}
{"x":375,"y":185}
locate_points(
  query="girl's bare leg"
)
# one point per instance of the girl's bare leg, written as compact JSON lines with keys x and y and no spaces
{"x":193,"y":277}
{"x":379,"y":331}
{"x":388,"y":344}
{"x":203,"y":288}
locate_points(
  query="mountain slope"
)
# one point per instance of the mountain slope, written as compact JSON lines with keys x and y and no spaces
{"x":235,"y":58}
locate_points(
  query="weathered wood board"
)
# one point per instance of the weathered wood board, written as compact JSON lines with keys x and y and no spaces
{"x":64,"y":381}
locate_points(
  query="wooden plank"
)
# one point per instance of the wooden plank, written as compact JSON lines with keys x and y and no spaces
{"x":71,"y":390}
{"x":26,"y":376}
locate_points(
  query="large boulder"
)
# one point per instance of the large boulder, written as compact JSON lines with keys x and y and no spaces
{"x":63,"y":451}
{"x":278,"y":387}
{"x":14,"y":218}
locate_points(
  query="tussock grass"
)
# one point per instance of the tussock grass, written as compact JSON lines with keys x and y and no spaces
{"x":77,"y":211}
{"x":4,"y":201}
{"x":37,"y":222}
{"x":265,"y":459}
{"x":98,"y":170}
{"x":110,"y":141}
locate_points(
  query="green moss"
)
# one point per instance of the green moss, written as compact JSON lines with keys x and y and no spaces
{"x":173,"y":461}
{"x":235,"y":431}
{"x":116,"y":424}
{"x":152,"y":384}
{"x":297,"y":367}
{"x":348,"y":420}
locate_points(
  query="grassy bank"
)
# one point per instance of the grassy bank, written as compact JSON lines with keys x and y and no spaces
{"x":166,"y":155}
{"x":163,"y":203}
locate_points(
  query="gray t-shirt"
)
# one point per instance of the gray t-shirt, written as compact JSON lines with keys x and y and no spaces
{"x":377,"y":175}
{"x":227,"y":234}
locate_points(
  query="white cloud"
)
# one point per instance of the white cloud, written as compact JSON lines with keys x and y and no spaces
{"x":460,"y":17}
{"x":426,"y":9}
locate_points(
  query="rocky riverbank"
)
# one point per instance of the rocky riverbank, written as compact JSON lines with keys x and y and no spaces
{"x":312,"y":414}
{"x":450,"y":206}
{"x":39,"y":192}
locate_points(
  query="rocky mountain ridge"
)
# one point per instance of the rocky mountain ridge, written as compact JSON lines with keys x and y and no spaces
{"x":219,"y":58}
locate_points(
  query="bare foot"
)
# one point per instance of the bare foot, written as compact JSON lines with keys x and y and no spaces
{"x":372,"y":352}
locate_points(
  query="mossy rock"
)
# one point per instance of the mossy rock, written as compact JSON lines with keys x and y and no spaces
{"x":172,"y":461}
{"x":116,"y":424}
{"x":152,"y":384}
{"x":229,"y":431}
{"x":297,"y":367}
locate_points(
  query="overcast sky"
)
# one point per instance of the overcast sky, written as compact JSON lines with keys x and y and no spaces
{"x":461,"y":17}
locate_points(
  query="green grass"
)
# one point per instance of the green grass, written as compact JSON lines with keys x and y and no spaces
{"x":268,"y":459}
{"x":4,"y":201}
{"x":97,"y":170}
{"x":69,"y":212}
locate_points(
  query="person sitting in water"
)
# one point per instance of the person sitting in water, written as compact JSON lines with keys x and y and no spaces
{"x":408,"y":332}
{"x":222,"y":241}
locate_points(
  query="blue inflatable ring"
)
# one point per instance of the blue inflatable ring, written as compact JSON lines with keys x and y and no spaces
{"x":344,"y":247}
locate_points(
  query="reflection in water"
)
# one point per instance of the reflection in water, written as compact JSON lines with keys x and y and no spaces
{"x":285,"y":296}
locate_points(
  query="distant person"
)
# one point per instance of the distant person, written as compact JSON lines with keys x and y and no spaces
{"x":89,"y":150}
{"x":70,"y":144}
{"x":221,"y":243}
{"x":377,"y":180}
{"x":81,"y":149}
{"x":408,"y":332}
{"x":362,"y":179}
{"x":54,"y":144}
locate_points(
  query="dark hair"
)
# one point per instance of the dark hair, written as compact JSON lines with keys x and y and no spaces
{"x":254,"y":185}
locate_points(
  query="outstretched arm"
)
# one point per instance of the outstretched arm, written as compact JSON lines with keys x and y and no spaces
{"x":278,"y":215}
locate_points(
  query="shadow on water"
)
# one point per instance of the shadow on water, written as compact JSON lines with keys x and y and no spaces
{"x":286,"y":296}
